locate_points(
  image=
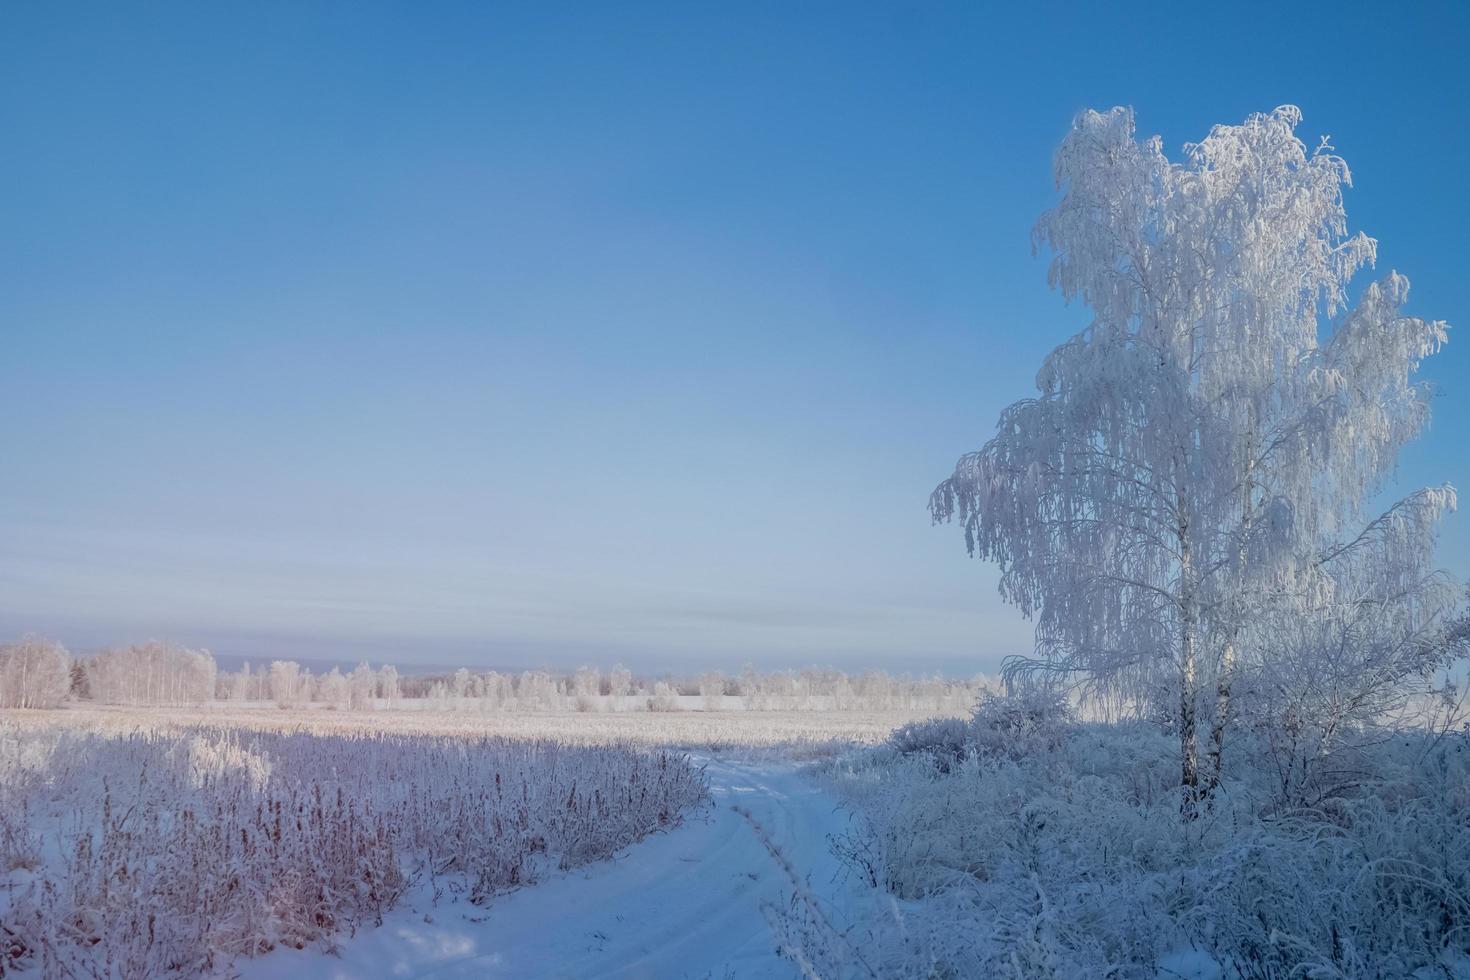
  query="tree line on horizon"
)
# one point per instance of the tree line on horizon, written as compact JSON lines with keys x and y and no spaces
{"x":40,"y":673}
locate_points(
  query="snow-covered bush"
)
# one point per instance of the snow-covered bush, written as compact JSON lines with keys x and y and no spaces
{"x":945,"y":740}
{"x":1076,"y":862}
{"x":169,"y":851}
{"x":1021,"y":723}
{"x":1011,"y":725}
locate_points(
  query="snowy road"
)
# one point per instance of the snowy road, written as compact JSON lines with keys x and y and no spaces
{"x":683,"y":904}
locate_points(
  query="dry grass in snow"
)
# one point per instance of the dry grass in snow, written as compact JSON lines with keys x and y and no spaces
{"x":145,"y":846}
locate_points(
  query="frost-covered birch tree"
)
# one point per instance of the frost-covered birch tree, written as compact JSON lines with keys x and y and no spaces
{"x":1202,"y":451}
{"x":152,"y":673}
{"x":388,"y":688}
{"x":34,"y":673}
{"x":290,"y":687}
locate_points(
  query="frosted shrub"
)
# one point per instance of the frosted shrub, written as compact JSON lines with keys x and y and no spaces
{"x":1012,"y":725}
{"x":1020,"y":724}
{"x":945,"y":740}
{"x":209,"y":760}
{"x":1381,"y":888}
{"x":176,"y":849}
{"x":1077,"y":862}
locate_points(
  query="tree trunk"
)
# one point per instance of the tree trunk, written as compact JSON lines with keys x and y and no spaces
{"x":1188,"y":663}
{"x":1188,"y":740}
{"x":1222,"y":717}
{"x":1227,"y":661}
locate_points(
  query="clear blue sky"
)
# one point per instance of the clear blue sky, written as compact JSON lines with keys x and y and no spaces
{"x":527,"y":333}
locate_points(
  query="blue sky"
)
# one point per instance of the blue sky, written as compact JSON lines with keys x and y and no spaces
{"x":513,"y":334}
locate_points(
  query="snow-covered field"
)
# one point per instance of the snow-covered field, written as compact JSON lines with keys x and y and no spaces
{"x":142,"y":844}
{"x":148,"y":847}
{"x":1017,"y":843}
{"x":781,"y":733}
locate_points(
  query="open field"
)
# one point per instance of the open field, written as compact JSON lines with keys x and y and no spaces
{"x":174,"y":842}
{"x":790,"y":732}
{"x":213,"y":843}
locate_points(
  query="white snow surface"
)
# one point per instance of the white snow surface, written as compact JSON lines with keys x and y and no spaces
{"x":687,"y":903}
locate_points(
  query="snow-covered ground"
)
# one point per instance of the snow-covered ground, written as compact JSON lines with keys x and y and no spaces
{"x":688,"y":903}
